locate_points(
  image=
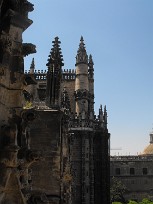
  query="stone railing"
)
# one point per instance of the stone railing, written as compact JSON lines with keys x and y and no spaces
{"x":82,"y":121}
{"x":132,"y":158}
{"x":38,"y":74}
{"x":68,"y":74}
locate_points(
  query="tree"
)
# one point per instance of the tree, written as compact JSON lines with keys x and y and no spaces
{"x":117,"y":191}
{"x":132,"y":202}
{"x":146,"y":201}
{"x":116,"y":203}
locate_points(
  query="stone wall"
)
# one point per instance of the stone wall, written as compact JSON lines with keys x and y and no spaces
{"x":101,"y":167}
{"x":46,"y":137}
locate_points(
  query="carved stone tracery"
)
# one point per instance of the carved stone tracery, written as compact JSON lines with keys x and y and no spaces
{"x":81,"y":94}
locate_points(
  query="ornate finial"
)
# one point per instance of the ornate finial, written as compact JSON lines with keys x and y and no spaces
{"x":81,"y":39}
{"x":105,"y":116}
{"x":55,"y":56}
{"x":32,"y":66}
{"x":91,"y":60}
{"x":82,"y":56}
{"x":55,"y":63}
{"x":91,"y":69}
{"x":105,"y":110}
{"x":100,"y":109}
{"x":101,"y":113}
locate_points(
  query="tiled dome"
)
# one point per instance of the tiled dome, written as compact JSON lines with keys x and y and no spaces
{"x":149,"y":149}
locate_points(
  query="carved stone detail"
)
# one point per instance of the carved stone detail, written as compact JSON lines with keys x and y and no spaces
{"x":81,"y":94}
{"x":82,"y":56}
{"x":65,"y":101}
{"x":20,"y":6}
{"x":28,"y":48}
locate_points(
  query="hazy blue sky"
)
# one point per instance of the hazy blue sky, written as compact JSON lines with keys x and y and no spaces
{"x":119,"y":35}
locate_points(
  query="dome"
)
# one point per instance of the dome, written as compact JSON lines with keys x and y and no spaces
{"x":148,"y":149}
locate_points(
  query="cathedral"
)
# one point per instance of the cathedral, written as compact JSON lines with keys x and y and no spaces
{"x":53,"y":148}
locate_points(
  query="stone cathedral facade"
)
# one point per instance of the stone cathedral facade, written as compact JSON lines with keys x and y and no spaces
{"x":53,"y":149}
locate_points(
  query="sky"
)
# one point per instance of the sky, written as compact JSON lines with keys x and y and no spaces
{"x":119,"y":35}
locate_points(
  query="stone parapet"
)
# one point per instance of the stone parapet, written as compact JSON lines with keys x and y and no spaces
{"x":68,"y":74}
{"x":131,"y":158}
{"x":39,"y":75}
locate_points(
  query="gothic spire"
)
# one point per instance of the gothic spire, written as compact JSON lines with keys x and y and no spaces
{"x":100,"y":110}
{"x":105,"y":116}
{"x":55,"y":63}
{"x":101,"y":117}
{"x":81,"y":56}
{"x":91,"y":68}
{"x":91,"y":60}
{"x":32,"y":66}
{"x":55,"y":56}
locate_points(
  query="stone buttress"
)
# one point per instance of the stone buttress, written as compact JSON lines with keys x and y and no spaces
{"x":15,"y":154}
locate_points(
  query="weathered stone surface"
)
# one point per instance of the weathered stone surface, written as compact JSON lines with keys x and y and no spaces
{"x":47,"y":123}
{"x":46,"y":137}
{"x":14,"y":138}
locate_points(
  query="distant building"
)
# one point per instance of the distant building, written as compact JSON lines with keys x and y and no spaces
{"x":135,"y":172}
